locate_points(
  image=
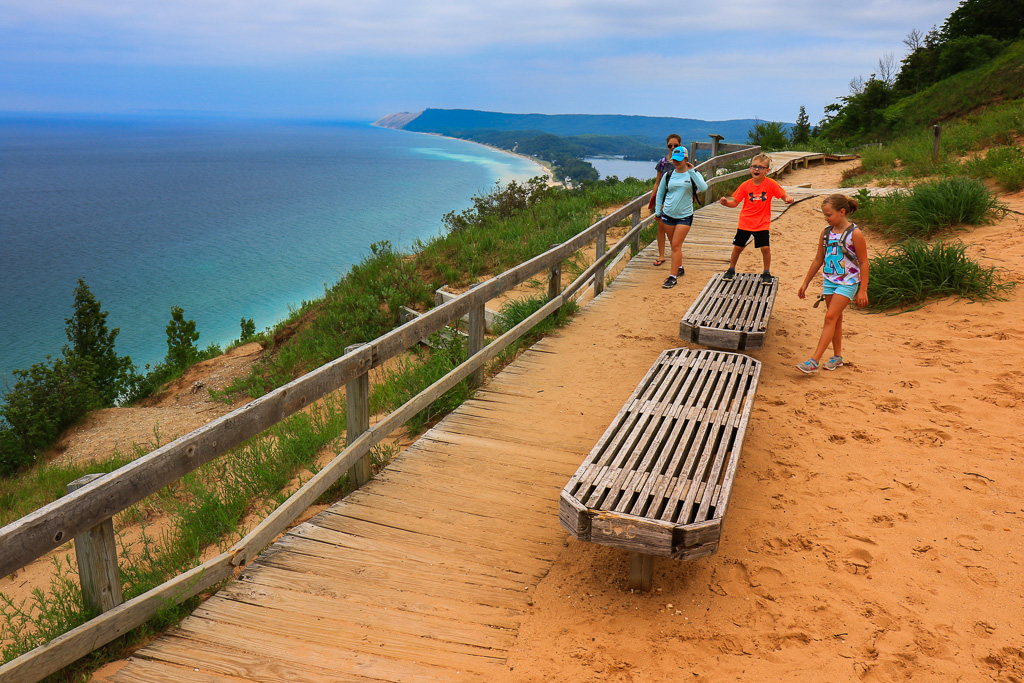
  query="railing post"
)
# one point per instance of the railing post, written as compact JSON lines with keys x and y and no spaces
{"x":96,"y":550}
{"x":634,"y":246}
{"x":937,"y":132}
{"x":554,"y":279}
{"x":477,"y":325}
{"x":715,"y":139}
{"x":357,"y":397}
{"x":602,"y":247}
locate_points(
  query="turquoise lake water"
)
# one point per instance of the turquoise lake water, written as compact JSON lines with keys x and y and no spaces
{"x":226,"y":219}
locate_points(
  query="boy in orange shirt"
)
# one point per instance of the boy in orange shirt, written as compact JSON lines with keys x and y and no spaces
{"x":756,"y":195}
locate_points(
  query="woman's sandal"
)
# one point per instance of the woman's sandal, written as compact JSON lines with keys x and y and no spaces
{"x":658,"y":261}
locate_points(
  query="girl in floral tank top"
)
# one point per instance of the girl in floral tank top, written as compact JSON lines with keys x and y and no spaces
{"x":845,"y":268}
{"x":839,"y":267}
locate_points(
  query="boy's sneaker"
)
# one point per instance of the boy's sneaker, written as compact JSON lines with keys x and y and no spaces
{"x":833,"y":363}
{"x":680,"y":272}
{"x":766,"y":278}
{"x":729,"y":274}
{"x":808,"y":367}
{"x":670,"y":282}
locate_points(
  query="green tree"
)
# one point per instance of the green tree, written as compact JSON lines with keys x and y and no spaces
{"x":181,"y":340}
{"x":770,"y":135}
{"x":1001,"y":19}
{"x":801,"y":132}
{"x":93,"y":343}
{"x":248,"y":330}
{"x":961,"y":54}
{"x":46,"y":399}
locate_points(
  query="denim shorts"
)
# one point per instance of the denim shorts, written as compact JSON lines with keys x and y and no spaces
{"x":743,"y":236}
{"x":849,"y":291}
{"x":672,"y":222}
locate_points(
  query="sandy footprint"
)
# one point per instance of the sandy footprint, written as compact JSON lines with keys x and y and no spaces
{"x":858,"y":561}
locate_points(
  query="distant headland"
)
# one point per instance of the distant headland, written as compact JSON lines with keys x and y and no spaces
{"x":651,"y":129}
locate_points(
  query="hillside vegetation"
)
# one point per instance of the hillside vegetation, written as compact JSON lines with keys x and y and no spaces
{"x":975,"y":59}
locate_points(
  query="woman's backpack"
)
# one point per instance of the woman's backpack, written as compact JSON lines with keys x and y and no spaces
{"x":847,"y":252}
{"x":668,"y":176}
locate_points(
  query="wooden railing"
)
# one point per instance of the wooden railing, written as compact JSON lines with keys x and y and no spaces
{"x":86,"y":511}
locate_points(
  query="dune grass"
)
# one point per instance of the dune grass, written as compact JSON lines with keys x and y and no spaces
{"x":930,"y":208}
{"x":913,"y":271}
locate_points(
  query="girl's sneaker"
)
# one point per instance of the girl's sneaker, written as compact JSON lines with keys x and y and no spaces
{"x":833,"y":363}
{"x":808,"y":367}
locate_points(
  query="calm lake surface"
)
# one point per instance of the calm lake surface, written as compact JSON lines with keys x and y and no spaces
{"x":227,"y":219}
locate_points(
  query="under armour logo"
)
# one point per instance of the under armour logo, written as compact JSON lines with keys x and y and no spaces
{"x":762,"y":198}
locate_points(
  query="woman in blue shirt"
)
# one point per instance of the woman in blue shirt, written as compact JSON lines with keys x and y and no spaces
{"x":672,"y":141}
{"x":674,"y":207}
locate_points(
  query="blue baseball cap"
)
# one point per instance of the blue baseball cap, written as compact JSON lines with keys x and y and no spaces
{"x":678,"y":154}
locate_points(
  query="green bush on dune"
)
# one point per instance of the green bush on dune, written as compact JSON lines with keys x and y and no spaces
{"x":911,"y":272}
{"x":931,"y":208}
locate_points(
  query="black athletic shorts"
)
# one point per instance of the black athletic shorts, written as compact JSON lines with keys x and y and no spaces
{"x":743,"y":237}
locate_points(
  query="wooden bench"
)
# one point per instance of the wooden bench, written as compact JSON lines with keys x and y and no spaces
{"x":658,"y":482}
{"x":730,"y":314}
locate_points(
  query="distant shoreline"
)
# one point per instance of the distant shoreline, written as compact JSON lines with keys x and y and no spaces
{"x":547,"y":172}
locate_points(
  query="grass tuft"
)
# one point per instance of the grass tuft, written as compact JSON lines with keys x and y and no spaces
{"x":912,"y":272}
{"x":931,"y":208}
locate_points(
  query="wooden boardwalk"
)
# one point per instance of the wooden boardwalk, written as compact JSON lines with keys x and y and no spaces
{"x":427,"y":571}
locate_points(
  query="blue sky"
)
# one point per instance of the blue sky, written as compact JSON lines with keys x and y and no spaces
{"x":349,"y":60}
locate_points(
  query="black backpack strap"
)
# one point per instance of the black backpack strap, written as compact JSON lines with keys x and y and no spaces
{"x":852,"y":255}
{"x":665,"y":178}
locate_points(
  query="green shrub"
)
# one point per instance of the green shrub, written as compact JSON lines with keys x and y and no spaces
{"x":931,"y":208}
{"x":912,"y":272}
{"x":771,"y":136}
{"x":409,"y":375}
{"x":950,"y":202}
{"x":515,"y":311}
{"x":498,"y":204}
{"x":878,"y":159}
{"x":1003,"y":164}
{"x":45,"y":400}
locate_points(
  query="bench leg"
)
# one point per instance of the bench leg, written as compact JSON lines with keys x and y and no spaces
{"x":641,"y":571}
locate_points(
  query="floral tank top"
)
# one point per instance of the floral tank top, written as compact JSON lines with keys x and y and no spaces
{"x":839,"y":268}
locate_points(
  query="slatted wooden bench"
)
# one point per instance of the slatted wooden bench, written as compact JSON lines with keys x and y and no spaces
{"x":730,"y":314}
{"x":658,"y":482}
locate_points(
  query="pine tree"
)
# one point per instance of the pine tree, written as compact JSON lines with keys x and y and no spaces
{"x":181,"y":339}
{"x":801,"y":132}
{"x":92,"y":343}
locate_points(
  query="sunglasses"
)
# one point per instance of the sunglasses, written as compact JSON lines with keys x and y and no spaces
{"x":759,"y":168}
{"x":671,"y":146}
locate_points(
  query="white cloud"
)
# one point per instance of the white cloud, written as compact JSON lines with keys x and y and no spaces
{"x":233,"y":31}
{"x":586,"y":56}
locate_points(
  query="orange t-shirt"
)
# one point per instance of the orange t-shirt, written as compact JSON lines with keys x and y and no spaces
{"x":756,"y":209}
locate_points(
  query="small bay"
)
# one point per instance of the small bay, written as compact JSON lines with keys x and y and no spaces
{"x":227,"y":219}
{"x":622,"y":169}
